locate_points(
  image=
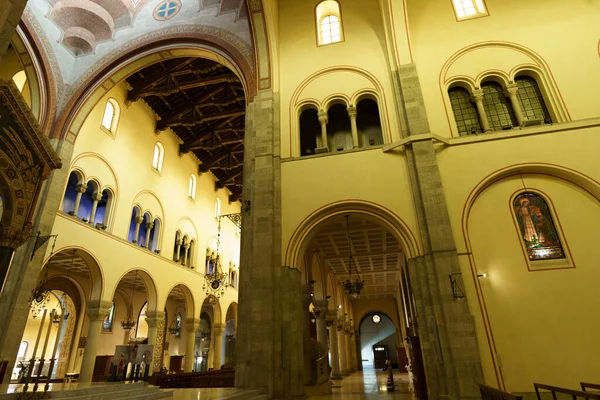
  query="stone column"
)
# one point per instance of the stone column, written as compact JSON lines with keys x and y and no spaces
{"x":349,"y":352}
{"x":177,"y":249}
{"x":149,"y":226}
{"x":352,"y":113}
{"x":138,"y":222}
{"x":96,"y":198}
{"x":341,"y":336}
{"x":10,"y":15}
{"x":321,"y":305}
{"x":81,"y":188}
{"x":511,"y":92}
{"x":191,"y":326}
{"x":357,"y":350}
{"x":97,"y":310}
{"x":217,"y":344}
{"x":186,"y":249}
{"x":444,"y":325}
{"x":156,"y":336}
{"x":323,"y":119}
{"x":307,"y":343}
{"x":333,"y":345}
{"x":478,"y":100}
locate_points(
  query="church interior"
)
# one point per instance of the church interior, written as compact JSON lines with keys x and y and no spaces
{"x":280,"y":199}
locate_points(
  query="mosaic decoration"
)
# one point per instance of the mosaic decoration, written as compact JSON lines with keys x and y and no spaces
{"x":166,"y":10}
{"x":537,"y":228}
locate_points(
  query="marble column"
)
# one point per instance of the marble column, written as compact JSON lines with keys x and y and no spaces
{"x":138,"y":222}
{"x":156,"y":336}
{"x":341,"y":336}
{"x":217,"y":344}
{"x":349,"y":352}
{"x":352,"y":113}
{"x":321,"y":305}
{"x":307,"y":343}
{"x":323,"y":119}
{"x":97,"y":310}
{"x":333,"y":345}
{"x":96,"y":198}
{"x":191,"y":326}
{"x":478,"y":100}
{"x":511,"y":92}
{"x":357,"y":350}
{"x":149,"y":226}
{"x":81,"y":188}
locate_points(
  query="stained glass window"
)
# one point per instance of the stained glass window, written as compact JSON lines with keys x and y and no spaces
{"x":108,"y":320}
{"x":537,"y":228}
{"x":166,"y":10}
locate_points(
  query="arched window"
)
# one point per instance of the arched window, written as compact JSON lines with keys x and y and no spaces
{"x":310,"y":132}
{"x":191,"y":254}
{"x":192,"y":187}
{"x":22,"y":353}
{"x":329,"y":22}
{"x":108,"y":320}
{"x":497,"y":107}
{"x":154,"y":234}
{"x":111,"y":116}
{"x":217,"y":208}
{"x":103,"y":210}
{"x":339,"y":129}
{"x":157,"y":159}
{"x":536,"y":227}
{"x":531,"y":100}
{"x":465,"y":111}
{"x":368,"y":123}
{"x":144,"y":230}
{"x":467,"y":9}
{"x":135,"y":215}
{"x":86,"y":201}
{"x":177,"y":246}
{"x":70,"y":197}
{"x":20,"y":79}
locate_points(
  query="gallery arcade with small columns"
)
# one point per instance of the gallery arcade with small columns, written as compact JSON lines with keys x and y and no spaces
{"x":284,"y":197}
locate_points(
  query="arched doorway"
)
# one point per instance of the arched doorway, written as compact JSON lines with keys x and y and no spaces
{"x":378,"y":341}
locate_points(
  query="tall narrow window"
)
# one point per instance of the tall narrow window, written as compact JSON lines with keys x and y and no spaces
{"x":310,"y":130}
{"x":108,"y":320}
{"x":157,"y":159}
{"x":465,"y":111}
{"x":466,"y":9}
{"x":192,"y":187}
{"x":111,"y":116}
{"x":497,"y":107}
{"x":368,"y":123}
{"x":329,"y":22}
{"x":537,"y":228}
{"x":531,"y":99}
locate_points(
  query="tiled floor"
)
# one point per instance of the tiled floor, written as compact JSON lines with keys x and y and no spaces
{"x":367,"y":384}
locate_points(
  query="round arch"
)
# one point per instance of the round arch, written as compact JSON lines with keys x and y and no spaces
{"x":190,"y":305}
{"x":151,"y":288}
{"x":232,"y":312}
{"x":214,"y":305}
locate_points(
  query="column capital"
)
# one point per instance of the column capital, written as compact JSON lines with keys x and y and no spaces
{"x":98,"y":309}
{"x":323,"y":117}
{"x":153,"y":318}
{"x":477,"y":95}
{"x":97,"y":196}
{"x":192,"y":324}
{"x":511,"y":89}
{"x":149,"y":225}
{"x":218,"y":329}
{"x":139,"y":220}
{"x":81,"y":188}
{"x":186,"y":245}
{"x":352,"y":111}
{"x":178,"y":242}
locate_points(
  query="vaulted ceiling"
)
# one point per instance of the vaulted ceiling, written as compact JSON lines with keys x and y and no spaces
{"x":377,"y":254}
{"x":203,"y":103}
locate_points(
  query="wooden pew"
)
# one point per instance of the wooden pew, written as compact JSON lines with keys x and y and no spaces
{"x":593,"y":386}
{"x":219,"y":378}
{"x":573,"y":393}
{"x":490,"y":393}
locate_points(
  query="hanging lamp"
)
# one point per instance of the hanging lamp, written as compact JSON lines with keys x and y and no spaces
{"x":352,"y":286}
{"x":216,"y":281}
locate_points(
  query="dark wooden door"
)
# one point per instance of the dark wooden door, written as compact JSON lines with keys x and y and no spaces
{"x":418,"y":370}
{"x":380,"y":355}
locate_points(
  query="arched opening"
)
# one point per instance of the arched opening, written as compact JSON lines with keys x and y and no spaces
{"x":86,"y":202}
{"x":145,"y":230}
{"x":378,"y":341}
{"x":154,"y":236}
{"x":230,"y":334}
{"x":202,"y":344}
{"x":531,"y":100}
{"x":110,"y":119}
{"x":209,"y":339}
{"x":179,"y":306}
{"x":310,"y":132}
{"x":136,"y":219}
{"x":158,"y":157}
{"x":368,"y":123}
{"x":465,"y":111}
{"x":328,"y":18}
{"x":498,"y":109}
{"x":339,"y":130}
{"x":103,"y":209}
{"x":70,"y":196}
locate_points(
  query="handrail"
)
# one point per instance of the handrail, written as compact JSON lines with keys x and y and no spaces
{"x":585,"y":385}
{"x":572,"y":393}
{"x":320,"y":369}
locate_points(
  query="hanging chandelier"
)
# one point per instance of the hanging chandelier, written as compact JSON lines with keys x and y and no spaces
{"x":129,"y":323}
{"x":215,"y":279}
{"x":352,"y":286}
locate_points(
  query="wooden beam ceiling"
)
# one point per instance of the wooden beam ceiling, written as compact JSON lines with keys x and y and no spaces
{"x":203,"y":103}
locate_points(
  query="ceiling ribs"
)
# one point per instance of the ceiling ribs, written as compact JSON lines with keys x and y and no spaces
{"x":203,"y":103}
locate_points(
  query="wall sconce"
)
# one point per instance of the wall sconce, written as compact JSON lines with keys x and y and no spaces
{"x":482,"y":275}
{"x":339,"y":306}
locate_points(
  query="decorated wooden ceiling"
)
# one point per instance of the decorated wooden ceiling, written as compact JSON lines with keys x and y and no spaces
{"x":203,"y":103}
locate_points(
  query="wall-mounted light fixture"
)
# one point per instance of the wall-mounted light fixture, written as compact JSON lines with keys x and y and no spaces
{"x":482,"y":275}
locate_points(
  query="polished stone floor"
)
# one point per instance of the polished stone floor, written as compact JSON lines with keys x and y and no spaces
{"x":367,"y":384}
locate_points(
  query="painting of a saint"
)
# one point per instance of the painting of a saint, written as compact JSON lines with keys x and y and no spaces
{"x":537,"y":227}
